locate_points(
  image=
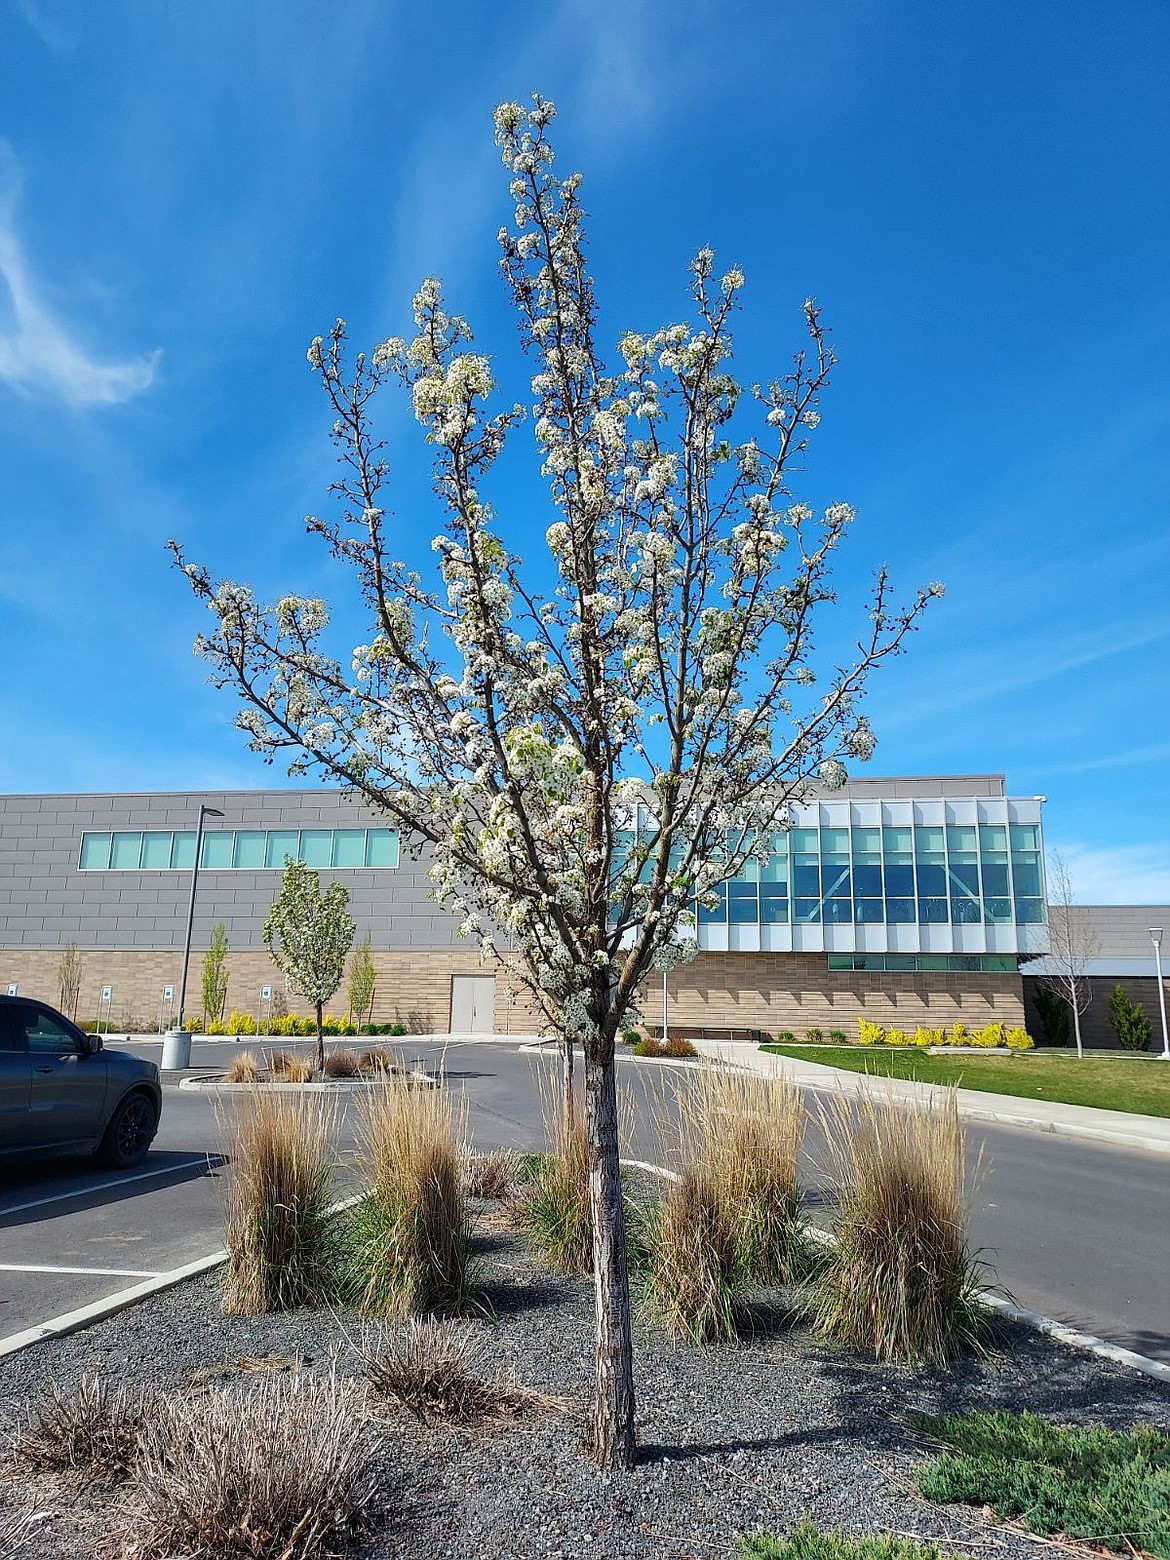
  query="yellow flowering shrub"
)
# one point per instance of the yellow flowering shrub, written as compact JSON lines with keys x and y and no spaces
{"x":869,"y":1033}
{"x":1018,"y":1038}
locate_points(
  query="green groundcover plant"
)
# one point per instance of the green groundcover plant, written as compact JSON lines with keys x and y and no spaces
{"x":809,"y":1543}
{"x":1092,"y":1484}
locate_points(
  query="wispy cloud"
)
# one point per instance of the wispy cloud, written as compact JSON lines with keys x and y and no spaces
{"x":37,"y":352}
{"x":1125,"y":875}
{"x":1158,"y":752}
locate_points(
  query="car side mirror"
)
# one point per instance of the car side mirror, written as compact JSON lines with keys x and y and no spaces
{"x":93,"y":1044}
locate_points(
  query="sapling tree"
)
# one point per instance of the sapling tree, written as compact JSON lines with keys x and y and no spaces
{"x":1073,"y":944}
{"x":308,"y":935}
{"x":69,"y":980}
{"x":1130,"y":1021}
{"x":588,"y":744}
{"x":215,"y":973}
{"x":362,"y":979}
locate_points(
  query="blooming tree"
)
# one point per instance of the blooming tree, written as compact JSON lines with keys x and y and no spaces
{"x":308,"y":934}
{"x":583,"y":762}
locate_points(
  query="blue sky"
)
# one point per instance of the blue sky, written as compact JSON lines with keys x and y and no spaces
{"x":976,"y":193}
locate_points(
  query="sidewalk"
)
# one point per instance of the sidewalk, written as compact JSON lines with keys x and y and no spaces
{"x":1151,"y":1133}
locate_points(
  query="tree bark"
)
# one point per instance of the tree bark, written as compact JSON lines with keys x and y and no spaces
{"x":320,"y":1040}
{"x":569,"y":1102}
{"x":610,"y":1436}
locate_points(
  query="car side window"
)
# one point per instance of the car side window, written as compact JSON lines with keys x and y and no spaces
{"x":8,"y":1036}
{"x":46,"y":1034}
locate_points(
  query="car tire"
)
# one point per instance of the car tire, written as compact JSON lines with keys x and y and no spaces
{"x":129,"y":1133}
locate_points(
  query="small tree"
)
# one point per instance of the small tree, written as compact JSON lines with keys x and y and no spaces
{"x":362,"y":979}
{"x":215,"y":974}
{"x":1130,"y":1022}
{"x":308,"y":934}
{"x":1072,"y":945}
{"x":590,"y":744}
{"x":69,"y":980}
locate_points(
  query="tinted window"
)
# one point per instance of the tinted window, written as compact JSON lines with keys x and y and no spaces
{"x":46,"y":1033}
{"x":7,"y":1028}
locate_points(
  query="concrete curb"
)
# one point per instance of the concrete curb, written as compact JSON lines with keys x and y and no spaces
{"x":206,"y":1082}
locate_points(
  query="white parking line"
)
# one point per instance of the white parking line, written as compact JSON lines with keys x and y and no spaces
{"x":25,"y":1267}
{"x":105,"y":1186}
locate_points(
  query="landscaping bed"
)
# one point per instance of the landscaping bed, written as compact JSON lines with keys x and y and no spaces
{"x":1138,"y":1084}
{"x":734,"y":1438}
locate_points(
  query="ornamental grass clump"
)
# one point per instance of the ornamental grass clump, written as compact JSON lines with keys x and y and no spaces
{"x":410,"y":1234}
{"x":284,"y":1469}
{"x":92,"y":1429}
{"x":277,"y":1220}
{"x":245,"y":1069}
{"x":492,"y":1177}
{"x":342,"y":1063}
{"x":555,"y":1201}
{"x":808,"y":1542}
{"x":901,"y":1283}
{"x":287,"y":1067}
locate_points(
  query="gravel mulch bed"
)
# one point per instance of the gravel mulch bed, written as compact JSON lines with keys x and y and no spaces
{"x":733,"y":1439}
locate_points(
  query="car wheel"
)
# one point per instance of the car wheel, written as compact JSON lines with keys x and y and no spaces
{"x":130,"y":1133}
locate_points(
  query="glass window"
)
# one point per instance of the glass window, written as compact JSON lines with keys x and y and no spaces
{"x":183,"y":849}
{"x":804,"y":840}
{"x":838,"y":911}
{"x":900,"y":962}
{"x":95,"y":852}
{"x":931,"y":910}
{"x":250,"y":845}
{"x":381,"y":847}
{"x":217,"y":849}
{"x":961,"y":837}
{"x":156,"y":850}
{"x":897,"y":841}
{"x":742,"y":902}
{"x":835,"y":840}
{"x":281,"y":843}
{"x":349,"y":848}
{"x":717,"y":915}
{"x":126,"y":851}
{"x":867,"y":842}
{"x":1029,"y":912}
{"x":995,"y":878}
{"x":992,"y":836}
{"x":840,"y":961}
{"x":806,"y":881}
{"x":775,"y":870}
{"x":807,"y":910}
{"x":899,"y":880}
{"x":900,"y":911}
{"x":1026,"y":872}
{"x":44,"y":1034}
{"x":867,"y":880}
{"x":1024,"y":836}
{"x":965,"y":878}
{"x":773,"y":902}
{"x":928,"y":841}
{"x":965,"y":910}
{"x":931,"y":879}
{"x":869,"y":910}
{"x":316,"y":847}
{"x":930,"y":962}
{"x":997,"y":909}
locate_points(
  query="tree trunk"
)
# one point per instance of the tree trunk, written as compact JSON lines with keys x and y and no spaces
{"x":610,"y":1434}
{"x":569,"y":1103}
{"x":320,"y":1040}
{"x":1076,"y":1019}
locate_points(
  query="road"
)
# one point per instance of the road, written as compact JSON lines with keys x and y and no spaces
{"x":1076,"y":1231}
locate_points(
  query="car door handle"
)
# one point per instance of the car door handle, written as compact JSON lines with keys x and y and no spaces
{"x":44,"y":1069}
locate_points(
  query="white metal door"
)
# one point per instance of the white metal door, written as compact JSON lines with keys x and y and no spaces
{"x":473,"y":1000}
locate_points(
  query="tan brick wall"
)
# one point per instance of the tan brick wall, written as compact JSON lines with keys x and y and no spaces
{"x":719,"y":991}
{"x":796,"y":991}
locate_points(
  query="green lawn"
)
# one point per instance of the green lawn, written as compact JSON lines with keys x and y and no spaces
{"x":1108,"y":1080}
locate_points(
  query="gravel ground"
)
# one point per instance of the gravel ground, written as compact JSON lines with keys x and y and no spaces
{"x":732,"y":1439}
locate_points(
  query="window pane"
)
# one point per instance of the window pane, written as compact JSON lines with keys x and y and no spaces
{"x":835,"y":840}
{"x":961,"y":837}
{"x":931,"y":962}
{"x":869,"y":910}
{"x":719,"y":913}
{"x":931,"y":880}
{"x":1027,"y":875}
{"x":804,"y":839}
{"x":1025,"y":836}
{"x":349,"y":847}
{"x":867,"y":842}
{"x":899,"y":880}
{"x":998,"y":909}
{"x":95,"y":851}
{"x":995,"y":879}
{"x":838,"y":911}
{"x":1029,"y":911}
{"x":928,"y":839}
{"x":217,"y":849}
{"x":773,"y":902}
{"x":966,"y":878}
{"x":45,"y":1035}
{"x":992,"y":836}
{"x":281,"y":843}
{"x":183,"y":849}
{"x":742,"y":904}
{"x":840,"y":961}
{"x":897,"y":841}
{"x":381,"y":847}
{"x":807,"y":910}
{"x":966,"y":910}
{"x":932,"y":910}
{"x":900,"y":962}
{"x":156,"y":850}
{"x":126,"y":851}
{"x":249,"y":848}
{"x":900,"y":911}
{"x":867,"y":881}
{"x":316,"y":847}
{"x":807,"y":881}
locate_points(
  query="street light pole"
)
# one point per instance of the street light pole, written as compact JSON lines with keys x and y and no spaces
{"x":1156,"y":939}
{"x":177,"y":1045}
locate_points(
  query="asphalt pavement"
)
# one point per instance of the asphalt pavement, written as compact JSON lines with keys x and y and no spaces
{"x":1075,"y":1230}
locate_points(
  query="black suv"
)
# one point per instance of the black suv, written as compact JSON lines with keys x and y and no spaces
{"x":61,"y":1092}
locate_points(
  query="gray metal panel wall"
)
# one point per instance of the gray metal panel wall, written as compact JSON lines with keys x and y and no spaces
{"x":46,"y":901}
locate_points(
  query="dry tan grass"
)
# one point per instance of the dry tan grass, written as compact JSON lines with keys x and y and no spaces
{"x":555,"y":1203}
{"x":342,"y":1063}
{"x":288,"y":1067}
{"x":283,"y":1468}
{"x":16,"y":1529}
{"x":378,"y":1059}
{"x":901,"y":1284}
{"x":245,"y":1069}
{"x":91,"y":1430}
{"x":491,"y":1177}
{"x":276,"y":1203}
{"x":410,"y":1233}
